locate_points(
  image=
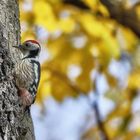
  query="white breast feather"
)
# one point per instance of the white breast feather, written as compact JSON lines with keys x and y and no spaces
{"x":24,"y":74}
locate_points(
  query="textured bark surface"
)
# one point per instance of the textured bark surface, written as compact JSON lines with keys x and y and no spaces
{"x":15,"y":123}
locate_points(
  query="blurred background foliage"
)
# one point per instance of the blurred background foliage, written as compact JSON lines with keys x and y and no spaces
{"x":83,"y":40}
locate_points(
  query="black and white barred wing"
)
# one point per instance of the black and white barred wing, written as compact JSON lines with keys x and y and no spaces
{"x":34,"y":86}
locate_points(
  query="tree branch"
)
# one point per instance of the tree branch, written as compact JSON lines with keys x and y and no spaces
{"x":118,"y":12}
{"x":126,"y":17}
{"x":78,"y":3}
{"x":97,"y":113}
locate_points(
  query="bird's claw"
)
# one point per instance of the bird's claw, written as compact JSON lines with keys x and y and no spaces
{"x":26,"y":97}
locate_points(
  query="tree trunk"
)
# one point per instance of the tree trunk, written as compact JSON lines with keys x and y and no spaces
{"x":15,"y":123}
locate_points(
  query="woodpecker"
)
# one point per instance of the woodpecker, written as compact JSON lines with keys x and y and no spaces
{"x":27,"y":71}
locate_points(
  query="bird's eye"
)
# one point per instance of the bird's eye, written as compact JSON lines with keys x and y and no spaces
{"x":26,"y":44}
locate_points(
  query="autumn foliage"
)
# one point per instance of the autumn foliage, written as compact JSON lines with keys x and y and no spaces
{"x":85,"y":39}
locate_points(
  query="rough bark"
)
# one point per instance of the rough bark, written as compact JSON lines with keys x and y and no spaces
{"x":15,"y":123}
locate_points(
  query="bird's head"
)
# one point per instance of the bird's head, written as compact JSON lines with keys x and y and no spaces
{"x":30,"y":48}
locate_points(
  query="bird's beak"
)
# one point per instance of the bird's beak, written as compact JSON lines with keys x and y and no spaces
{"x":19,"y":46}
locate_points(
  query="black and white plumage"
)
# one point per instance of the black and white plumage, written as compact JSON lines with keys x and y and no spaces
{"x":27,"y":71}
{"x":34,"y":85}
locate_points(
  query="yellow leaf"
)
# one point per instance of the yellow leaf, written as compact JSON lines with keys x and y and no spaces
{"x":56,"y":46}
{"x":138,"y":11}
{"x":84,"y":80}
{"x":28,"y":17}
{"x":130,"y":39}
{"x":134,"y":80}
{"x":29,"y":34}
{"x":44,"y":15}
{"x":62,"y":87}
{"x":110,"y":45}
{"x":67,"y":25}
{"x":91,"y":25}
{"x":103,"y":10}
{"x":138,"y":129}
{"x":105,"y":49}
{"x":44,"y":89}
{"x":92,"y":3}
{"x":62,"y":51}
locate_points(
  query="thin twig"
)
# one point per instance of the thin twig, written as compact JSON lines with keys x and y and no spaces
{"x":97,"y":113}
{"x":78,"y":90}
